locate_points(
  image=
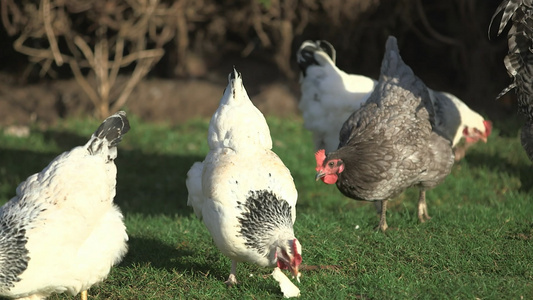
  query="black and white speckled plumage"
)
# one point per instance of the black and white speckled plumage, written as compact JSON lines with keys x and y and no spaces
{"x":62,"y":231}
{"x":263,"y":213}
{"x":111,"y":131}
{"x":242,"y":191}
{"x":519,"y":60}
{"x":15,"y":218}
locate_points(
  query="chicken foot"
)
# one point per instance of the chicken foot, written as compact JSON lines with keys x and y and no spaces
{"x":232,"y":279}
{"x":423,"y":215}
{"x":381,"y":207}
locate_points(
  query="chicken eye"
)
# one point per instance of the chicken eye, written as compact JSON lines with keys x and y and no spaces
{"x":330,"y":164}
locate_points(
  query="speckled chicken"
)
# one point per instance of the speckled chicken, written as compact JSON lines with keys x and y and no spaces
{"x":519,"y":61}
{"x":330,"y":95}
{"x":62,"y":232}
{"x":390,"y":143}
{"x":242,"y":190}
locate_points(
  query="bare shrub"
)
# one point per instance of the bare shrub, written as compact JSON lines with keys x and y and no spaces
{"x":102,"y":36}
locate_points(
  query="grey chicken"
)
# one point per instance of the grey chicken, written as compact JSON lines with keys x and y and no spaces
{"x":390,"y":143}
{"x":330,"y":95}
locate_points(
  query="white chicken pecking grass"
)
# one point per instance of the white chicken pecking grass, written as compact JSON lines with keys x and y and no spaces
{"x":62,"y":232}
{"x":330,"y":96}
{"x":242,"y":190}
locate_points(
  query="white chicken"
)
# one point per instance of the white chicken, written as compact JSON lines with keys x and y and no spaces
{"x":330,"y":96}
{"x":62,"y":232}
{"x":242,"y":190}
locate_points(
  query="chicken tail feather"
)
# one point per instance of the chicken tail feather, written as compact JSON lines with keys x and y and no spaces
{"x":109,"y":133}
{"x":306,"y":54}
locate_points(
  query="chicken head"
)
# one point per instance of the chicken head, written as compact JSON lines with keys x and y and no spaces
{"x":473,"y":135}
{"x":327,"y":170}
{"x":289,"y":257}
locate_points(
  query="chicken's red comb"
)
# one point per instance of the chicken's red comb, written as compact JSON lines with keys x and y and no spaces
{"x":296,"y":254}
{"x":488,"y":127}
{"x":320,"y":155}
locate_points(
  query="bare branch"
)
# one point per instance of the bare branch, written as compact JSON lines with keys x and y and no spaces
{"x":46,"y":11}
{"x":85,"y":85}
{"x":142,"y":68}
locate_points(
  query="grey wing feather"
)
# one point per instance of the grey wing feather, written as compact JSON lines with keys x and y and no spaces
{"x":447,"y":116}
{"x":394,"y":72}
{"x":395,"y":76}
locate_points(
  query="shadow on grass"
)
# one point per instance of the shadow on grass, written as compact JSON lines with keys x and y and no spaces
{"x":501,"y":165}
{"x":64,"y":139}
{"x":17,"y":165}
{"x":146,"y":183}
{"x":158,"y":254}
{"x":153,"y":183}
{"x":143,"y":251}
{"x":509,"y":127}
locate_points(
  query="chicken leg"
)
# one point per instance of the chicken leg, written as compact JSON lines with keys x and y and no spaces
{"x":83,"y":295}
{"x":423,"y":215}
{"x":382,"y":211}
{"x":232,"y":279}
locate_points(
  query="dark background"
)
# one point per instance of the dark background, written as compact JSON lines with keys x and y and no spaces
{"x":445,"y":42}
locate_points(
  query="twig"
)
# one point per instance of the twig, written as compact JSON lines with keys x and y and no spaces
{"x":115,"y":67}
{"x":257,"y":24}
{"x":140,"y":71}
{"x":101,"y":55}
{"x":182,"y":38}
{"x":87,"y":52}
{"x":93,"y":96}
{"x":46,"y":11}
{"x":9,"y":6}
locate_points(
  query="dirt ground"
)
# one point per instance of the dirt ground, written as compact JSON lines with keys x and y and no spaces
{"x":154,"y":99}
{"x":175,"y":100}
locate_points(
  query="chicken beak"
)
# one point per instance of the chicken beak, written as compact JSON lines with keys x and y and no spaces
{"x":296,"y":273}
{"x":319,"y":175}
{"x":484,"y":139}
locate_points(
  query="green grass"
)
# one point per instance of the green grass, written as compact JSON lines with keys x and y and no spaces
{"x":479,"y":244}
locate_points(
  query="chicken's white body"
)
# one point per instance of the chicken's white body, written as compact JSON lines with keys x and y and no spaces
{"x":453,"y":115}
{"x":330,"y":96}
{"x":227,"y":179}
{"x":242,"y":190}
{"x":66,"y":231}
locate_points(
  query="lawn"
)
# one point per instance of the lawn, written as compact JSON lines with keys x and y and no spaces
{"x":479,"y":244}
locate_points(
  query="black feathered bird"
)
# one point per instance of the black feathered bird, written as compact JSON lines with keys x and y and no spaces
{"x":519,"y":60}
